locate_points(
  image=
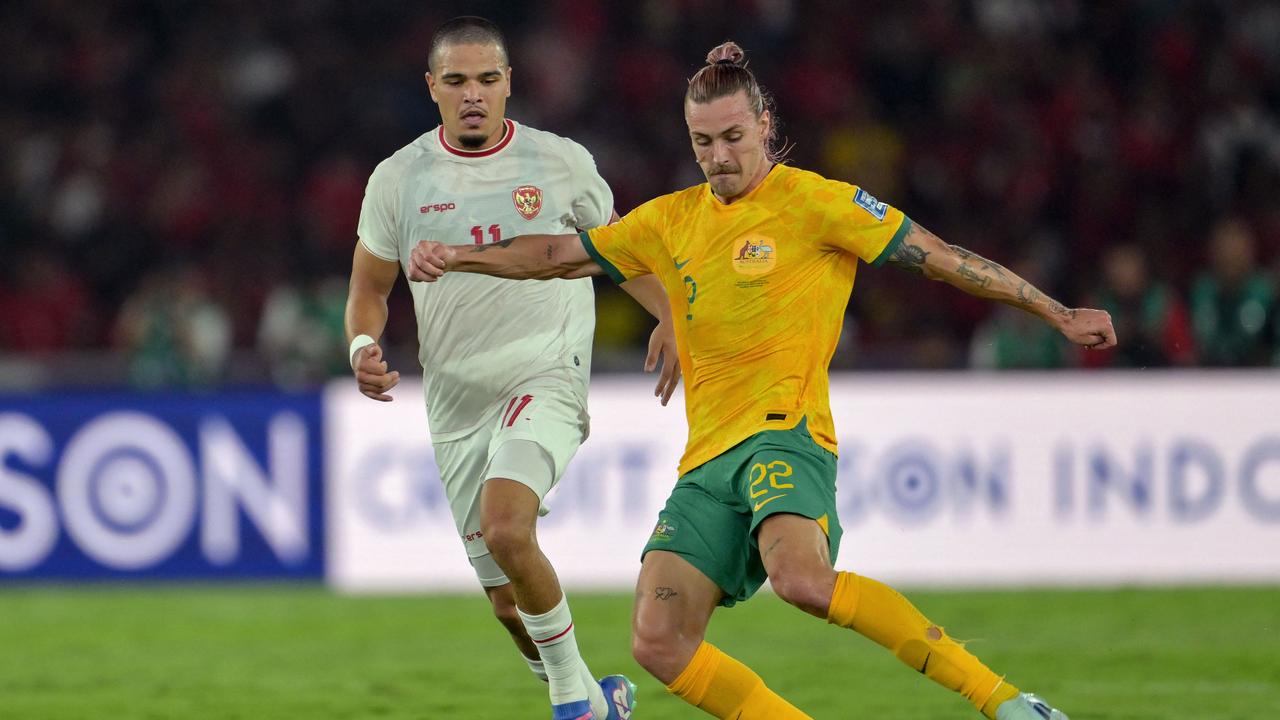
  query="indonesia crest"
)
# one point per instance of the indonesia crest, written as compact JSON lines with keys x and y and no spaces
{"x":528,"y":200}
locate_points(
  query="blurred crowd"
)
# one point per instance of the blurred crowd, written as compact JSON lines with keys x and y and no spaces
{"x":180,"y":180}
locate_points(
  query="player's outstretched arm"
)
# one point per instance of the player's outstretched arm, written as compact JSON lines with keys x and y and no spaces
{"x":526,"y":257}
{"x":924,"y":253}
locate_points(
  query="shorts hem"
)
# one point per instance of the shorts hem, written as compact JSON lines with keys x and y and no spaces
{"x":540,"y":482}
{"x":728,"y":599}
{"x":760,"y":517}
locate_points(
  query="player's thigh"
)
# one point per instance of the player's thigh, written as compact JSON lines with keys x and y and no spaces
{"x":674,"y":603}
{"x":793,"y":543}
{"x":795,"y":554}
{"x":673,"y":597}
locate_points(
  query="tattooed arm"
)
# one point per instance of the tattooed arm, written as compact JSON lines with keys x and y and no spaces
{"x":527,"y":257}
{"x":923,"y":253}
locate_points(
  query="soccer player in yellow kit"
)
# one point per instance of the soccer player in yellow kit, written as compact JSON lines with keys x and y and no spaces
{"x":758,"y":264}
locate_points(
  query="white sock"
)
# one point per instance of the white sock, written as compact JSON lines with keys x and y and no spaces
{"x":599,"y":703}
{"x":552,"y":632}
{"x":537,"y":667}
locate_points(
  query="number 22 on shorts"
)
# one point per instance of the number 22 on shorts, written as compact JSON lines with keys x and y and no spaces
{"x":774,"y":471}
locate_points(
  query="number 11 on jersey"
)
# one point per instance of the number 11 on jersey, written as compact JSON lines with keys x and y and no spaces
{"x":495,"y":234}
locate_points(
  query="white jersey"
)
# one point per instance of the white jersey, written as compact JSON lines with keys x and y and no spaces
{"x":479,"y":337}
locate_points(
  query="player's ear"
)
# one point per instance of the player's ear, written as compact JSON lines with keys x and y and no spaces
{"x":508,"y":81}
{"x":431,"y":86}
{"x":766,"y":121}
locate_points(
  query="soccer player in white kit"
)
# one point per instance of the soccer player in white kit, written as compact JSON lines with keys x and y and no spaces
{"x":506,"y":363}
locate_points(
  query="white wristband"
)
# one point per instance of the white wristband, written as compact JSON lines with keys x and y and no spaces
{"x":358,"y":343}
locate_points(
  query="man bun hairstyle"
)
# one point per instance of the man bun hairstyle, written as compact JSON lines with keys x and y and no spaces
{"x":726,"y":74}
{"x":467,"y":30}
{"x":726,"y":53}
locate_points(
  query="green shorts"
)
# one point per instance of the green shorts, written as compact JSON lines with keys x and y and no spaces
{"x":710,"y":519}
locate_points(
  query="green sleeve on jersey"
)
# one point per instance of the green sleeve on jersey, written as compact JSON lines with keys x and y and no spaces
{"x":609,"y":268}
{"x":894,"y":242}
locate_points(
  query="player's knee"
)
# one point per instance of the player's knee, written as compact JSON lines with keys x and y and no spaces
{"x":506,"y":538}
{"x":660,"y":653}
{"x":804,"y":590}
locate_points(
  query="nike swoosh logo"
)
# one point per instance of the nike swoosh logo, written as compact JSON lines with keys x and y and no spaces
{"x":680,"y":265}
{"x":766,"y":501}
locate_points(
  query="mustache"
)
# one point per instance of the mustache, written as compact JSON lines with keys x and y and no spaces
{"x":723,"y":169}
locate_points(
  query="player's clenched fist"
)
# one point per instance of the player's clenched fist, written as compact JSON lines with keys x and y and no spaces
{"x":1087,"y":327}
{"x":371,"y":373}
{"x":429,"y":260}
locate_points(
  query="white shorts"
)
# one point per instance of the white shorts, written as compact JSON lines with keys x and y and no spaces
{"x":530,"y":438}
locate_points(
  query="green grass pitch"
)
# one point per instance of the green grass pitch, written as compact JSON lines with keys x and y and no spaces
{"x":296,"y":652}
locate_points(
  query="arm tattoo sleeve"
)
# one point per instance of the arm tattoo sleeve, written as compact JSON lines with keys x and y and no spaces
{"x":909,"y":257}
{"x":1058,"y":308}
{"x":972,"y":273}
{"x":490,"y":246}
{"x":974,"y":276}
{"x":987,"y":267}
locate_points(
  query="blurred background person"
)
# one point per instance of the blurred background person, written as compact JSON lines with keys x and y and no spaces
{"x":1233,"y":301}
{"x":1149,"y":311}
{"x":300,"y":334}
{"x":174,"y":332}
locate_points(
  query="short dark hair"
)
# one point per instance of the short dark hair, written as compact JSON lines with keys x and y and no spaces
{"x":467,"y":30}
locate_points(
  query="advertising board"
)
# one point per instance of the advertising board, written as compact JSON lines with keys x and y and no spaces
{"x":955,"y":479}
{"x":192,"y":486}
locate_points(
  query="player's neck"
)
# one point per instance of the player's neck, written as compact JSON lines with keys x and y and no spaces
{"x":491,"y":142}
{"x":760,"y":175}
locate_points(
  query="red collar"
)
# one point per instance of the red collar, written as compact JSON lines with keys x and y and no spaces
{"x":505,"y":141}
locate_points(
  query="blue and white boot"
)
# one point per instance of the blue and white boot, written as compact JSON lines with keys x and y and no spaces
{"x":576,"y":710}
{"x":1028,"y":707}
{"x":620,"y":694}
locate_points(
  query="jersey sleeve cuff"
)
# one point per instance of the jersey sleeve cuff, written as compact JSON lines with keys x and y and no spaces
{"x":377,"y":254}
{"x":894,"y":242}
{"x":609,"y":268}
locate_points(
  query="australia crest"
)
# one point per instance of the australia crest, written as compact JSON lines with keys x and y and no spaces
{"x":528,"y":200}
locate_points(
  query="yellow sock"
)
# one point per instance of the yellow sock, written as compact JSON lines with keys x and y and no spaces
{"x":729,"y":690}
{"x":886,"y":617}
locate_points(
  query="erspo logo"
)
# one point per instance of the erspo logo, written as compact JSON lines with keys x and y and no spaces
{"x":127,"y":488}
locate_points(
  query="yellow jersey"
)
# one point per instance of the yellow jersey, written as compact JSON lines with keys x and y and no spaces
{"x":758,"y":291}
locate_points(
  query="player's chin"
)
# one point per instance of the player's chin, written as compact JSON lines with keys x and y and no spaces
{"x":472,"y":140}
{"x":725,"y":183}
